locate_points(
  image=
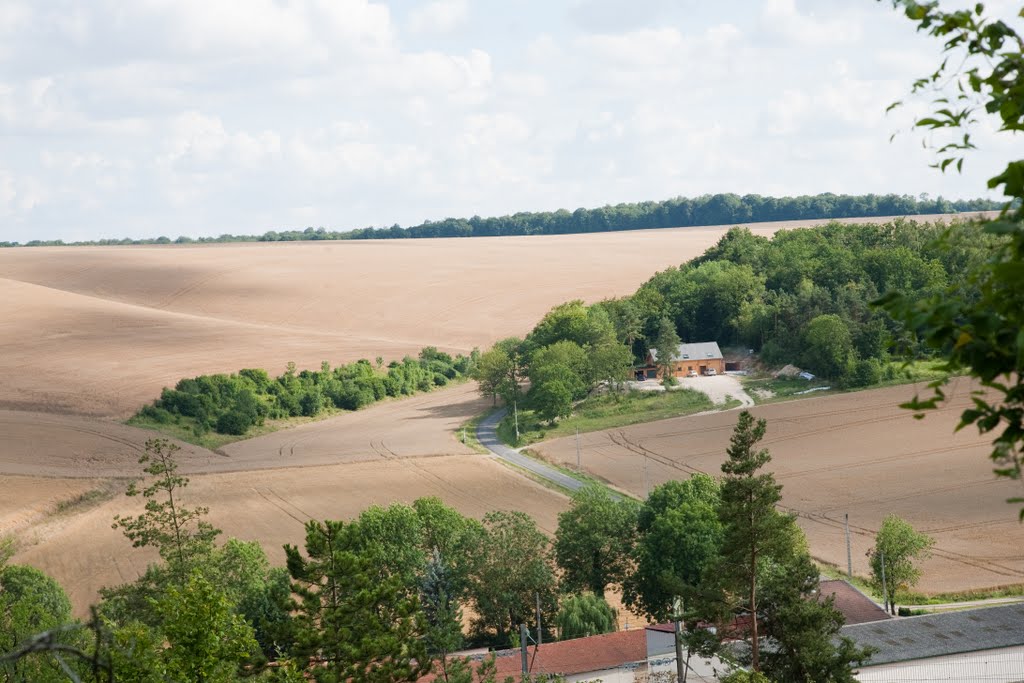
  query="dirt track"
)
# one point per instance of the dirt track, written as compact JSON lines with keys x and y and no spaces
{"x":854,"y":453}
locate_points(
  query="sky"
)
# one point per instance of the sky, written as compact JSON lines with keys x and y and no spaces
{"x":142,"y":118}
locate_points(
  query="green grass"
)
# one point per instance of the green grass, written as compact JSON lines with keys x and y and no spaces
{"x":607,"y":411}
{"x":87,"y":499}
{"x":184,"y":428}
{"x":469,"y":429}
{"x":789,"y":388}
{"x":913,"y":598}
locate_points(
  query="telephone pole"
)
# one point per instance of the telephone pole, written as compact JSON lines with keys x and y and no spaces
{"x":540,"y":636}
{"x":885,"y":592}
{"x":515,"y":417}
{"x":849,"y":557}
{"x":579,"y":466}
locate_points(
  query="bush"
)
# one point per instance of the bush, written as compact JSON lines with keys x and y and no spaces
{"x":311,"y":402}
{"x":234,"y":422}
{"x":865,"y":372}
{"x":156,"y":414}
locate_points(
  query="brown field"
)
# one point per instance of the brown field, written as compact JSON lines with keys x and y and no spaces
{"x":89,"y":334}
{"x":853,"y":453}
{"x":100,"y":330}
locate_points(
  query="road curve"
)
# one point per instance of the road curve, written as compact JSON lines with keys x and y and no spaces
{"x":487,"y":434}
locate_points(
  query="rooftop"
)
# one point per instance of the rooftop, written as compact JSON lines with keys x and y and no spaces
{"x":696,"y":351}
{"x":936,"y":635}
{"x":856,"y":607}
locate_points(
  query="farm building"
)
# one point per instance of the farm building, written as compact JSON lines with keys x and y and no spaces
{"x":965,"y":646}
{"x":701,"y":358}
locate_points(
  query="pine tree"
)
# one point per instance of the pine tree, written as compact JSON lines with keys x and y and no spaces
{"x":753,"y":529}
{"x":441,"y":612}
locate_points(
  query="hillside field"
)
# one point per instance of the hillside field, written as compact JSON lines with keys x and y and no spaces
{"x":856,"y":454}
{"x":89,"y":334}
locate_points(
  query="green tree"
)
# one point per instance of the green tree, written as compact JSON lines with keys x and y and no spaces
{"x":351,"y":623}
{"x":584,"y":615}
{"x":501,"y":370}
{"x":610,"y":363}
{"x":206,"y":641}
{"x":901,"y":546}
{"x":565,"y":362}
{"x":30,"y":603}
{"x":455,"y":536}
{"x":666,"y":345}
{"x":515,"y":568}
{"x":828,"y":346}
{"x":441,"y":612}
{"x":679,"y":537}
{"x":178,"y":533}
{"x":753,"y":530}
{"x":977,"y":332}
{"x":552,"y":400}
{"x":803,"y":628}
{"x":594,"y":540}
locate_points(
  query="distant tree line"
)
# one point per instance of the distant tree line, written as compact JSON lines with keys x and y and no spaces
{"x":233,"y":404}
{"x":679,"y":212}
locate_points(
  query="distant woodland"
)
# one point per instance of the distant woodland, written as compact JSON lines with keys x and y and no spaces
{"x":717,"y":209}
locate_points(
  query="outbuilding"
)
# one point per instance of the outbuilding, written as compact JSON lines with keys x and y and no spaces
{"x":700,"y":358}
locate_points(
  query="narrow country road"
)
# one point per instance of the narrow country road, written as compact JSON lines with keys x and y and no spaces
{"x":487,"y":434}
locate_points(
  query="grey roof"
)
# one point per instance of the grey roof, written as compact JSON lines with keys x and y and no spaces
{"x":698,"y":351}
{"x":936,"y":635}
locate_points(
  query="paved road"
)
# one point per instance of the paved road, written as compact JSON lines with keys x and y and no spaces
{"x":486,"y":432}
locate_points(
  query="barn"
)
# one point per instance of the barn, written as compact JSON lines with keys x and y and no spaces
{"x":701,"y":358}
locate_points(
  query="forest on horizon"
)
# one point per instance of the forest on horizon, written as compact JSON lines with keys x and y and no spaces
{"x":678,"y":212}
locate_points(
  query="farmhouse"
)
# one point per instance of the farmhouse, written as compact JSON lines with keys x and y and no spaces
{"x":701,"y":358}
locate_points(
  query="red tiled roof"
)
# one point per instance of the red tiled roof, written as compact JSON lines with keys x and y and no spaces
{"x":580,"y":655}
{"x":855,"y":606}
{"x":569,"y":657}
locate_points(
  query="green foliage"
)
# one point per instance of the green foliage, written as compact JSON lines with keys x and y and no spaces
{"x":901,"y":546}
{"x":744,"y":676}
{"x":977,"y":329}
{"x":501,"y":370}
{"x":235,"y":404}
{"x":584,"y":615}
{"x":353,"y":623}
{"x":679,"y":537}
{"x":717,"y":209}
{"x":753,"y":530}
{"x":594,"y":540}
{"x":440,"y":609}
{"x":828,"y":346}
{"x":177,"y":532}
{"x":30,"y":602}
{"x":515,"y":565}
{"x":803,"y":628}
{"x":207,"y":641}
{"x":551,"y":400}
{"x":666,"y":345}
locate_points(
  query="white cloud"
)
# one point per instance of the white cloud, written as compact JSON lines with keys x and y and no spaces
{"x":209,"y":116}
{"x":439,"y":16}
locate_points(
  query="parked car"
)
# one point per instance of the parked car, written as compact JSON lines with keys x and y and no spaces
{"x":711,"y":372}
{"x":691,"y":373}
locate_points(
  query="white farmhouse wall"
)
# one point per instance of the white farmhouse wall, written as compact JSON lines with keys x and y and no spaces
{"x":1004,"y":665}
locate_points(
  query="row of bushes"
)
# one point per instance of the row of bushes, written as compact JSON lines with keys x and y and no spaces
{"x":234,"y":404}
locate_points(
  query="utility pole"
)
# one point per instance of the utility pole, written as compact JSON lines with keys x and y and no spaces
{"x":885,"y":592}
{"x":579,"y":466}
{"x":677,"y":613}
{"x":647,"y":486}
{"x":849,"y":557}
{"x":515,"y":417}
{"x":523,"y":635}
{"x":540,"y":637}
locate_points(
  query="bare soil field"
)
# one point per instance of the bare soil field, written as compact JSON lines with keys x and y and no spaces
{"x":853,"y":453}
{"x":100,"y":330}
{"x":89,"y":334}
{"x":271,"y":505}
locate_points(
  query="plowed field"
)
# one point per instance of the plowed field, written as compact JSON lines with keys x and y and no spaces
{"x":856,"y":454}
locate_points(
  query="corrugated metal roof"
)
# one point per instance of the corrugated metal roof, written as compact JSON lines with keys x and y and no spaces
{"x":937,"y":635}
{"x":696,"y":351}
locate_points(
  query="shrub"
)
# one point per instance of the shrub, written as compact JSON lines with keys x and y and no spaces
{"x":234,"y":422}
